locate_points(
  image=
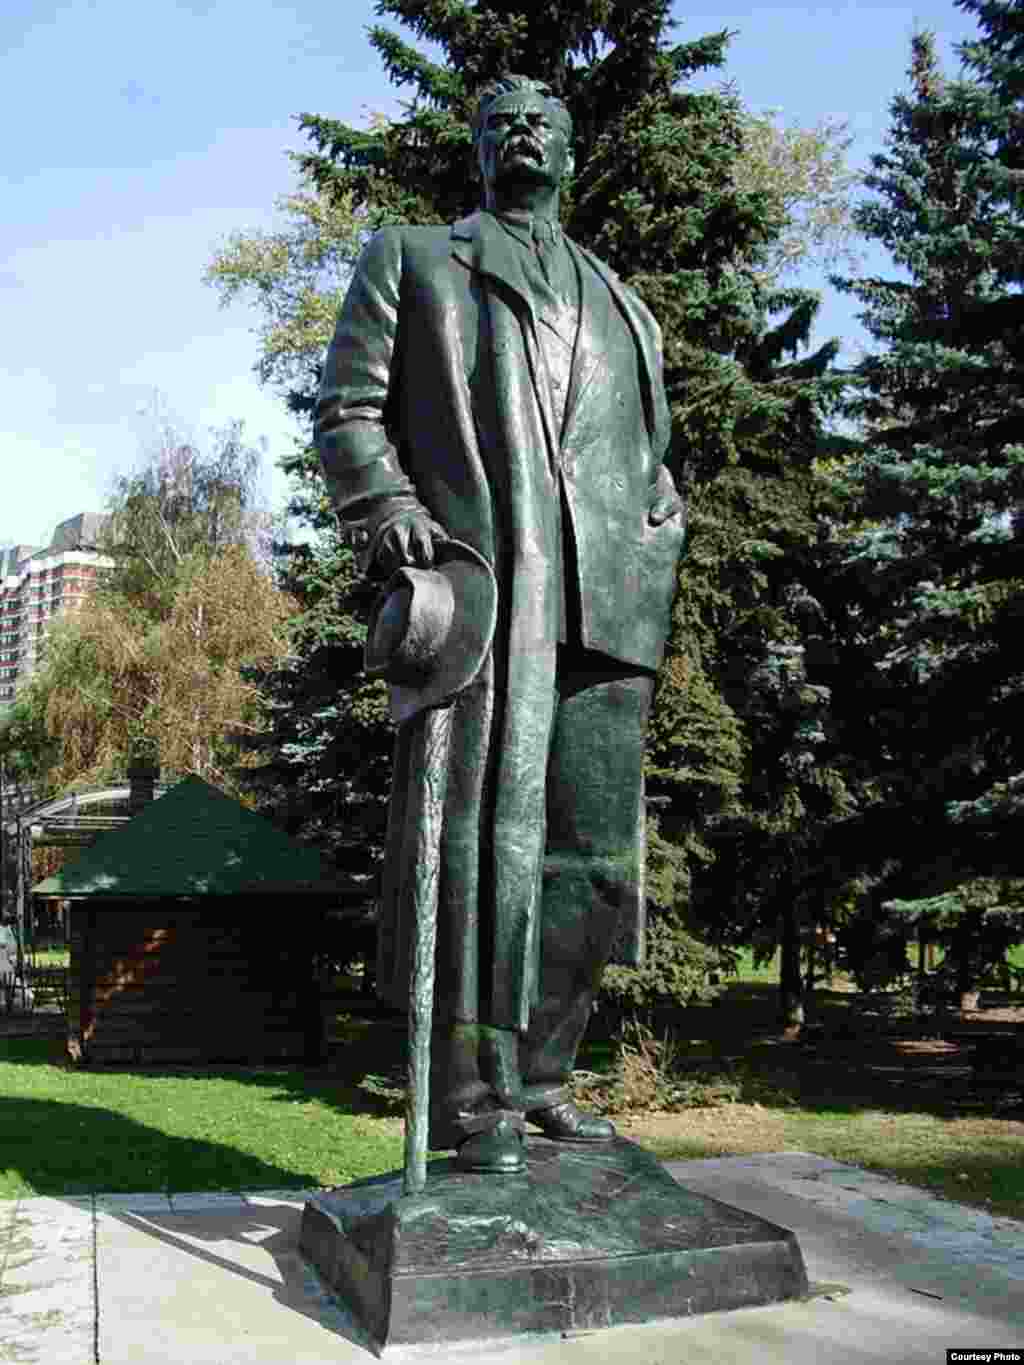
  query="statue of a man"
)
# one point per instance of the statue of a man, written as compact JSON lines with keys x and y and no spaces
{"x":495,"y":384}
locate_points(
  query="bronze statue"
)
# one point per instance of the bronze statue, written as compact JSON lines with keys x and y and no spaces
{"x":493,"y":397}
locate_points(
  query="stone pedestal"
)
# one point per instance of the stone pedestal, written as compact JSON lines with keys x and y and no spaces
{"x":587,"y":1237}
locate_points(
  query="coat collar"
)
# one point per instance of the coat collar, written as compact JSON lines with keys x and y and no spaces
{"x":480,"y":244}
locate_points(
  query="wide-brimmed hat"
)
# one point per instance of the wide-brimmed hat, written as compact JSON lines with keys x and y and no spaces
{"x":430,"y":629}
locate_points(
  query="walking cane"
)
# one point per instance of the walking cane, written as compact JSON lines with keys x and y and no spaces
{"x":435,"y":733}
{"x":440,"y":635}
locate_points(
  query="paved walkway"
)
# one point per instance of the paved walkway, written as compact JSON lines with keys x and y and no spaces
{"x":216,"y":1279}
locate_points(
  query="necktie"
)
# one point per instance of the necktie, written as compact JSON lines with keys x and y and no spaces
{"x":554,"y":262}
{"x":544,"y":243}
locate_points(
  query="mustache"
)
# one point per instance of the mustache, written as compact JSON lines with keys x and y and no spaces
{"x":526,"y":148}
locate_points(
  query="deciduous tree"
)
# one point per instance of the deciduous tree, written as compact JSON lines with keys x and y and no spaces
{"x":119,"y":676}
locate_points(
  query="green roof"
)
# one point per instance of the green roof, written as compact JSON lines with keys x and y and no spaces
{"x":193,"y":841}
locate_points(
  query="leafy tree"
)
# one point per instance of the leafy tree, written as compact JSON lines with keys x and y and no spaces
{"x":326,"y":748}
{"x":152,"y":659}
{"x":118,"y":676}
{"x":296,"y":276}
{"x":183,"y":500}
{"x":925,"y":601}
{"x":26,"y":749}
{"x":806,"y":171}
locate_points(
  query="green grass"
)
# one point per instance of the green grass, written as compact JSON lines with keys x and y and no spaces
{"x":52,"y":957}
{"x":970,"y":1159}
{"x":767,"y":972}
{"x":746,"y":971}
{"x":855,"y":1105}
{"x":68,"y":1131}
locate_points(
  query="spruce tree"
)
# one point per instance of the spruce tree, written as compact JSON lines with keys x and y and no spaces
{"x":657,"y":192}
{"x":926,"y":598}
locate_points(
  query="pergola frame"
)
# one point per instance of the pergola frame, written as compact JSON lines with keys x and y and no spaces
{"x":57,"y":821}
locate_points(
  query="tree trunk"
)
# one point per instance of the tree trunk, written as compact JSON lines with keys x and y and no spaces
{"x":965,"y":985}
{"x":791,"y":1007}
{"x":828,"y":952}
{"x":812,"y":963}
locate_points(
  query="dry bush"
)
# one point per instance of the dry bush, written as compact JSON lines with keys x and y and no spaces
{"x":653,"y":1075}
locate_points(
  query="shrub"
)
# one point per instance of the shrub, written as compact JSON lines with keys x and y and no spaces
{"x":652,"y":1075}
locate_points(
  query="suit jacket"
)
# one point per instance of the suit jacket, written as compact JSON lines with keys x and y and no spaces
{"x":435,"y":388}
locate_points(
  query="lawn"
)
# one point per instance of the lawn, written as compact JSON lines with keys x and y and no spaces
{"x":975,"y":1160}
{"x":905,"y":1106}
{"x":769,"y":971}
{"x":65,"y":1131}
{"x":52,"y":957}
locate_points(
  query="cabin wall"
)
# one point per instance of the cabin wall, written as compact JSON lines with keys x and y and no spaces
{"x":191,"y":983}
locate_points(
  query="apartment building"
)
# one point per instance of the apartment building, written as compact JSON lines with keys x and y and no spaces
{"x":38,"y":584}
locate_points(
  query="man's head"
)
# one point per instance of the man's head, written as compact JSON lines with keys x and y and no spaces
{"x":522,"y":133}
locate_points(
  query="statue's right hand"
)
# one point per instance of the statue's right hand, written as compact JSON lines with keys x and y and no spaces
{"x":409,"y":540}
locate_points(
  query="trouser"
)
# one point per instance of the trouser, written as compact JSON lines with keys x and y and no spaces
{"x":592,"y":862}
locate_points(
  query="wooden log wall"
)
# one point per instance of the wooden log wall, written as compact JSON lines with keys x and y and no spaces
{"x":193,"y":983}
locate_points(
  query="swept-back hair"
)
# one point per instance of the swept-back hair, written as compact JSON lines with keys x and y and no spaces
{"x":508,"y":85}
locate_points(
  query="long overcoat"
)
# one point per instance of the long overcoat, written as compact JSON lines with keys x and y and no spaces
{"x":435,"y":393}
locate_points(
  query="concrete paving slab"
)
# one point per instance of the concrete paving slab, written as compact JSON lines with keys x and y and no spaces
{"x":135,"y":1203}
{"x":290,"y":1198}
{"x":212,"y":1202}
{"x":48,"y":1206}
{"x":220,"y":1282}
{"x":210,"y":1288}
{"x":47,"y":1299}
{"x":853,"y":1331}
{"x":929,"y":1247}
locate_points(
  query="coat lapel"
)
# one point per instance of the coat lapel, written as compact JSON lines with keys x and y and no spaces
{"x":482,"y":247}
{"x":647,"y":336}
{"x":594,"y":305}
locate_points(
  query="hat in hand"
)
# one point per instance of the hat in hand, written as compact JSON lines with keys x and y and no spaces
{"x":430,"y":629}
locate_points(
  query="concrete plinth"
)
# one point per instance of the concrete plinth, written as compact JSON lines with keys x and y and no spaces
{"x":586,"y":1237}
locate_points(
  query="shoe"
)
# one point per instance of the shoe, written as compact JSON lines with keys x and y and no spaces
{"x":498,"y":1151}
{"x":565,"y":1123}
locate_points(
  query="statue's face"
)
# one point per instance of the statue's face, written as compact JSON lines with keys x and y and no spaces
{"x":523,"y":138}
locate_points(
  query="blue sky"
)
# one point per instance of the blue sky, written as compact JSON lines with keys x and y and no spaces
{"x":139,"y":135}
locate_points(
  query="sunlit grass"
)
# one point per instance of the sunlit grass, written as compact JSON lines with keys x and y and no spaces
{"x":64,"y":1131}
{"x":52,"y":957}
{"x":971,"y":1159}
{"x":70,"y":1130}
